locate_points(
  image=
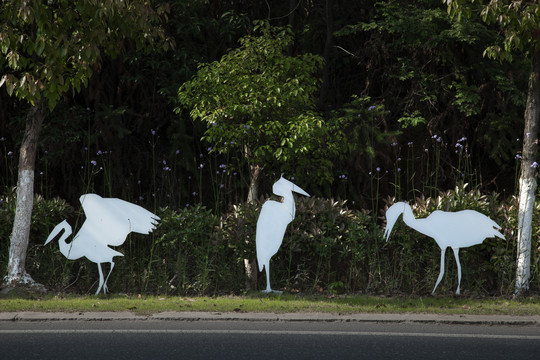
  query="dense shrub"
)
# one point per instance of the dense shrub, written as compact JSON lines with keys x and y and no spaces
{"x":327,"y":248}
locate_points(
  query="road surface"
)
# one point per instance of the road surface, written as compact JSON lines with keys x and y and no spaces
{"x":202,"y":339}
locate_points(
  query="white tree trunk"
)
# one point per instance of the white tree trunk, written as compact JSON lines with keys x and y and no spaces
{"x":21,"y":230}
{"x":16,"y":271}
{"x":527,"y":180}
{"x":527,"y":189}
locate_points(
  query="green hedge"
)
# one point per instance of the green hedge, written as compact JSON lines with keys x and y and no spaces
{"x":327,"y":248}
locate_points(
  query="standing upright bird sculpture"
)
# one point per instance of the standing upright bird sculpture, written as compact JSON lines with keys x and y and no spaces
{"x":108,"y":222}
{"x":449,"y":229}
{"x":272,"y":223}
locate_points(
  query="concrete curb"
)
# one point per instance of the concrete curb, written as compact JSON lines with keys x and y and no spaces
{"x":234,"y":316}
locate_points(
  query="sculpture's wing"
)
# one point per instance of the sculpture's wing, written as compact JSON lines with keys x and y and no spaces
{"x":271,"y":226}
{"x":113,"y":219}
{"x":462,"y":228}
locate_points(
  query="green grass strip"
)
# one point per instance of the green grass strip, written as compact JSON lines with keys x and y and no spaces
{"x":286,"y":303}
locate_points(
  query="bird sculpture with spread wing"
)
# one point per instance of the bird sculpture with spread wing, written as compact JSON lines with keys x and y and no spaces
{"x":449,"y":229}
{"x":272,"y":223}
{"x":108,"y":222}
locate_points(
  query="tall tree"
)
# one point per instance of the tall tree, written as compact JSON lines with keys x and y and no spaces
{"x":520,"y":21}
{"x":258,"y":104}
{"x":51,"y":49}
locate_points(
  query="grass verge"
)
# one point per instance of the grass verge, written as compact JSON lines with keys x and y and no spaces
{"x":286,"y":303}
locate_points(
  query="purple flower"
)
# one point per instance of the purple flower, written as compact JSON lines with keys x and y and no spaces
{"x":10,"y":153}
{"x":518,"y":157}
{"x":93,"y":162}
{"x":378,"y":169}
{"x":534,"y":165}
{"x":393,"y":144}
{"x":462,"y":139}
{"x":399,"y":169}
{"x":371,"y":107}
{"x":153,"y":131}
{"x":410,"y":143}
{"x":2,"y":139}
{"x":99,"y":153}
{"x":177,"y":152}
{"x":201,"y":166}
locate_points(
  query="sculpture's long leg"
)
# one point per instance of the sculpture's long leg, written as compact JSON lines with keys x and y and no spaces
{"x":105,"y":283}
{"x":456,"y":255}
{"x":100,"y":278}
{"x":268,"y":288}
{"x":441,"y":273}
{"x":267,"y":270}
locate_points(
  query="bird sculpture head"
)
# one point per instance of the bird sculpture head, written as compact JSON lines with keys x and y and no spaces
{"x":62,"y":226}
{"x":283,"y":187}
{"x":392,"y":214}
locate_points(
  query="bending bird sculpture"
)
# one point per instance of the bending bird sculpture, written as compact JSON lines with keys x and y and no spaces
{"x":108,"y":222}
{"x":449,"y":229}
{"x":272,"y":223}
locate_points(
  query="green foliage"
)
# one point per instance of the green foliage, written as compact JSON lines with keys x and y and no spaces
{"x":51,"y":48}
{"x":258,"y":103}
{"x":188,"y":252}
{"x":519,"y":20}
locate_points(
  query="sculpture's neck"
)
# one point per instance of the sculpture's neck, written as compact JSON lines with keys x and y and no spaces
{"x":419,"y":225}
{"x":65,"y":248}
{"x":288,"y":201}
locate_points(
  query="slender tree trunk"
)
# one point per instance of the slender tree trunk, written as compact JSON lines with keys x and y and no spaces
{"x":16,"y":272}
{"x":250,"y":266}
{"x":527,"y":180}
{"x":253,"y":192}
{"x":323,"y":93}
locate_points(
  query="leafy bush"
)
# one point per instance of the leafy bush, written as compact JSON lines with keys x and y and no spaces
{"x":327,"y":248}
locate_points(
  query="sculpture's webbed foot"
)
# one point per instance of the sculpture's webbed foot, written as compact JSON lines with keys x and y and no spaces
{"x":268,"y":291}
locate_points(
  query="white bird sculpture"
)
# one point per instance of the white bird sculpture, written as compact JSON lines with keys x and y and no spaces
{"x":449,"y":229}
{"x":272,"y":223}
{"x":108,"y":222}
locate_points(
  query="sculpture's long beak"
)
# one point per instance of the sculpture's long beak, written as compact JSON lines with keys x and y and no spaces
{"x":299,"y":190}
{"x":62,"y":226}
{"x":392,"y":214}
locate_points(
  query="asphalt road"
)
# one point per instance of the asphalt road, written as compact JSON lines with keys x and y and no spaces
{"x":202,"y":339}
